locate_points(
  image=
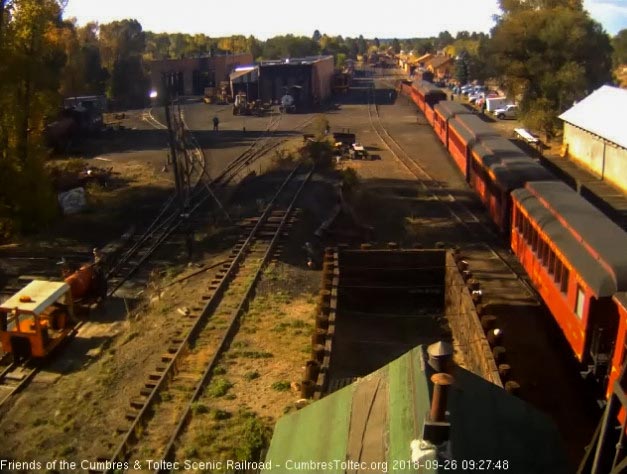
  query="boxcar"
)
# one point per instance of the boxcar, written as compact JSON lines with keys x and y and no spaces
{"x":576,"y":259}
{"x":443,"y":112}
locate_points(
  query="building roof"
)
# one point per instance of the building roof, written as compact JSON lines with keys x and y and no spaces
{"x":41,"y":293}
{"x":424,"y":57}
{"x":439,"y":61}
{"x":601,"y":113}
{"x":296,"y":61}
{"x":375,"y":420}
{"x":591,"y":242}
{"x":244,"y":75}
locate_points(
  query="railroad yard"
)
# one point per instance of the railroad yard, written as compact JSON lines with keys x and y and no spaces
{"x":202,"y":341}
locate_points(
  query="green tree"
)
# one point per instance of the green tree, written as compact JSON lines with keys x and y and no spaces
{"x":376,"y":42}
{"x":83,"y":73}
{"x":462,"y":67}
{"x":31,"y":48}
{"x":396,"y":45}
{"x":549,"y":53}
{"x":444,"y":39}
{"x":122,"y":46}
{"x":289,"y":46}
{"x":362,"y":46}
{"x":619,"y":43}
{"x":316,"y":36}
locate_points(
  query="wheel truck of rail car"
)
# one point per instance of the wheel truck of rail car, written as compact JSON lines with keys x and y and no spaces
{"x":35,"y":320}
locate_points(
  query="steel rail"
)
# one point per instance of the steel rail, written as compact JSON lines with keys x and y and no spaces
{"x":134,"y":431}
{"x":170,"y":450}
{"x":422,"y":174}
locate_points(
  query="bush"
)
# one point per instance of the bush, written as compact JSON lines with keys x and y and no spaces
{"x":320,"y":153}
{"x":283,"y":159}
{"x":281,"y":386}
{"x":251,"y":375}
{"x":349,"y":178}
{"x":254,"y":439}
{"x":219,"y":387}
{"x":320,"y":126}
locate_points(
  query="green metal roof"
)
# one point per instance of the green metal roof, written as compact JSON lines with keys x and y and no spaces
{"x":375,"y":419}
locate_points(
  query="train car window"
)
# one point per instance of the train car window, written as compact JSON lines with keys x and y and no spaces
{"x":534,"y":239}
{"x":551,"y":262}
{"x":558,"y":271}
{"x":541,"y":245}
{"x":580,"y":298}
{"x":518,"y":219}
{"x":564,"y":285}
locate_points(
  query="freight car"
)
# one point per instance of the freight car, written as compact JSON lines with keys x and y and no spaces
{"x":574,"y":255}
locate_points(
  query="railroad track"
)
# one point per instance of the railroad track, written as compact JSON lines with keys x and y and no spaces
{"x":170,"y":217}
{"x":15,"y":377}
{"x":484,"y":234}
{"x":187,"y":365}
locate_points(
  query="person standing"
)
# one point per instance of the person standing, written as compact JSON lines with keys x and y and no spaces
{"x":216,"y":123}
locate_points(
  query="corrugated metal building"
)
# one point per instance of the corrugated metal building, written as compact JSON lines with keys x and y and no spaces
{"x":307,"y":79}
{"x":595,"y":135}
{"x":194,"y":74}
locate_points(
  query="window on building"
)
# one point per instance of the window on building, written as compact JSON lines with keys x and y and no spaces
{"x":580,"y":298}
{"x":564,"y":283}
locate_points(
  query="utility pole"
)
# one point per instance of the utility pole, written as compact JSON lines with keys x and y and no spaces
{"x":169,"y":81}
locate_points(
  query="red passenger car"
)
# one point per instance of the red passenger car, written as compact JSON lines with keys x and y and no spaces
{"x":443,"y":112}
{"x":497,"y":167}
{"x":426,"y":95}
{"x":620,"y":346}
{"x":576,"y":258}
{"x":463,"y":132}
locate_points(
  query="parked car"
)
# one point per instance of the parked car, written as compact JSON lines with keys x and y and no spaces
{"x":465,"y":89}
{"x":509,"y":111}
{"x":473,"y":98}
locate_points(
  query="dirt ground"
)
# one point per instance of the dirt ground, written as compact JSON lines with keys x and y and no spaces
{"x":74,"y":405}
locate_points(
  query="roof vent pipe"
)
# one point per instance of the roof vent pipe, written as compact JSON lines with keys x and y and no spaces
{"x":441,"y":386}
{"x":440,"y":356}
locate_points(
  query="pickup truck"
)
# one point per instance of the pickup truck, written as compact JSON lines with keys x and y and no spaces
{"x":509,"y":111}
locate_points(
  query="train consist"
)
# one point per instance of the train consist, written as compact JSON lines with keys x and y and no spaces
{"x":574,"y":255}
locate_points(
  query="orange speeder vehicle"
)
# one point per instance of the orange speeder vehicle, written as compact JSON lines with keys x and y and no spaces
{"x":35,"y":320}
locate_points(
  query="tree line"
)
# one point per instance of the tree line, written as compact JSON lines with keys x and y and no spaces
{"x":548,"y":53}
